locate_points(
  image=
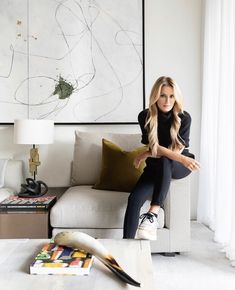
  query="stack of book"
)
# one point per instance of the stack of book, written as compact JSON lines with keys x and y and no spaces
{"x":53,"y":259}
{"x":13,"y":203}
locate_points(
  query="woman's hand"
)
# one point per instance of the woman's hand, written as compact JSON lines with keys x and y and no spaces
{"x":190,"y":163}
{"x":139,"y":158}
{"x":179,"y":149}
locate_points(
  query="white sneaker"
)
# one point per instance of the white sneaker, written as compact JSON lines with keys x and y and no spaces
{"x":147,"y":229}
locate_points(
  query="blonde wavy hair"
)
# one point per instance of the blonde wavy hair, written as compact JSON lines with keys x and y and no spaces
{"x":151,"y":123}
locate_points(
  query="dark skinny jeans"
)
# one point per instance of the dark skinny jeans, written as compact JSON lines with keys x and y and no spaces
{"x":153,"y":184}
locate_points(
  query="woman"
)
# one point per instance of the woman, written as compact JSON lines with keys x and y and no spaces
{"x":165,"y":129}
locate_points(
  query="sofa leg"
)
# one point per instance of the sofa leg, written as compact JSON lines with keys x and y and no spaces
{"x":168,"y":254}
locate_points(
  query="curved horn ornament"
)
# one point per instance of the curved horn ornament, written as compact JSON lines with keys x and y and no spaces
{"x":90,"y":245}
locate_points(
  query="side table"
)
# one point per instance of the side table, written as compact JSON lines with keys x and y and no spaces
{"x":31,"y":224}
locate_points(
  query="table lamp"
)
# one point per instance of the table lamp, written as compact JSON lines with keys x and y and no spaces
{"x":33,"y":132}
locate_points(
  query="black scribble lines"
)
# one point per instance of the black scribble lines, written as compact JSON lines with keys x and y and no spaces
{"x":93,"y":38}
{"x":11,"y":64}
{"x":97,"y":62}
{"x":120,"y":86}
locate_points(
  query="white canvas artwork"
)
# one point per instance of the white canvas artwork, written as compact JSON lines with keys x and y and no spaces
{"x":71,"y":61}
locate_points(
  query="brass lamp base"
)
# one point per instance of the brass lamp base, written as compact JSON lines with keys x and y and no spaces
{"x":34,"y":161}
{"x":33,"y":188}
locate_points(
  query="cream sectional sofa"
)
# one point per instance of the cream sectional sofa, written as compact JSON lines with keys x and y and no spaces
{"x":13,"y":178}
{"x":100,"y":213}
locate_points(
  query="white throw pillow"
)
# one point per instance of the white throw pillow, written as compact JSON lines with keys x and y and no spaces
{"x":5,"y":193}
{"x":87,"y":158}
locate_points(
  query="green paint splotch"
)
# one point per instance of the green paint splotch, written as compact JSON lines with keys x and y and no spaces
{"x":63,"y":89}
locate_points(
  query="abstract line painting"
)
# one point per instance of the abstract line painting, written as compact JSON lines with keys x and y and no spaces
{"x":73,"y":61}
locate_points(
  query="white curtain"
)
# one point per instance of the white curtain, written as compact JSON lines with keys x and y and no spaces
{"x":216,"y":204}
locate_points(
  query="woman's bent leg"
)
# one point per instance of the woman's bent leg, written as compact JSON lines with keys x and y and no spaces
{"x":179,"y":170}
{"x":141,"y":192}
{"x":166,"y":169}
{"x":155,"y":183}
{"x":163,"y":175}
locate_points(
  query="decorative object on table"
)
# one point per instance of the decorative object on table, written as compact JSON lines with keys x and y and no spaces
{"x":89,"y":244}
{"x":14,"y":202}
{"x":54,"y":259}
{"x":33,"y":187}
{"x":33,"y":132}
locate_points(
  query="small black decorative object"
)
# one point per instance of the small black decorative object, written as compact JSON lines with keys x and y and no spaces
{"x":33,"y":188}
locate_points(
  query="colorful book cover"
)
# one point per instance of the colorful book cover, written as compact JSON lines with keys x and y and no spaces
{"x":15,"y":202}
{"x":53,"y":259}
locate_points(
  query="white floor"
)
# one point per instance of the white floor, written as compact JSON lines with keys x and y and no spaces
{"x":204,"y":267}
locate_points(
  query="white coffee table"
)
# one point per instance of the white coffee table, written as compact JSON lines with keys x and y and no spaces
{"x":16,"y":255}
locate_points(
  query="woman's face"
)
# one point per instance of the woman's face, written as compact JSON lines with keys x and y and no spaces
{"x":166,"y":100}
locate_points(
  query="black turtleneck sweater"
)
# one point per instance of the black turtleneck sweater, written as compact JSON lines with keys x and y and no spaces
{"x":164,"y":125}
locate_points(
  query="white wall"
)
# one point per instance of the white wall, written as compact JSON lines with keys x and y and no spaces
{"x":172,"y":48}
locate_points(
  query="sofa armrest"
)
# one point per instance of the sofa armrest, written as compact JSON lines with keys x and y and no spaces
{"x":177,"y":214}
{"x":14,"y":175}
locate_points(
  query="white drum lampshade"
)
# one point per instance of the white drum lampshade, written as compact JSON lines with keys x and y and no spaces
{"x":33,"y":131}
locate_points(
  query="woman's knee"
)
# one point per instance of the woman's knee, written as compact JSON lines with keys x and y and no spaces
{"x":165,"y":160}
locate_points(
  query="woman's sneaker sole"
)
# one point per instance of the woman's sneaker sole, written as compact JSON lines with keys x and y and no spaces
{"x":143,"y":234}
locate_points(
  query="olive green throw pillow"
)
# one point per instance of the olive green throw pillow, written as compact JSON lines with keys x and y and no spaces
{"x":118,"y":172}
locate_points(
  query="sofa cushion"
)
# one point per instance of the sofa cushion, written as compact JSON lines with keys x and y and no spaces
{"x":14,"y":175}
{"x":84,"y":207}
{"x":5,"y":192}
{"x":86,"y":165}
{"x":118,"y":172}
{"x":3,"y":165}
